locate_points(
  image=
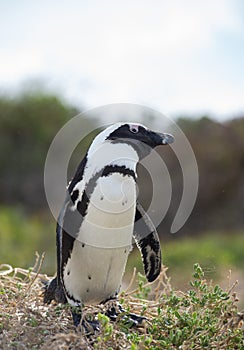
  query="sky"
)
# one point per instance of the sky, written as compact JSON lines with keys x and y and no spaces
{"x":178,"y":57}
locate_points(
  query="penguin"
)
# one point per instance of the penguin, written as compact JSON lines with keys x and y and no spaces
{"x":99,"y":219}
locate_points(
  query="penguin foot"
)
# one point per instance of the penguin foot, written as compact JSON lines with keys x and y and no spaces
{"x":129,"y":319}
{"x":88,"y":326}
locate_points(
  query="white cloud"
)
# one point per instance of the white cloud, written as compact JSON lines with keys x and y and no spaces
{"x":149,"y":52}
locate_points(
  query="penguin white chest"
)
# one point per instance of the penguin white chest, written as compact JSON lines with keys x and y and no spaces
{"x":110,"y":216}
{"x":114,"y":194}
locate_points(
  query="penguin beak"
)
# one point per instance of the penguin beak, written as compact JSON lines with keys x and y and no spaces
{"x":166,"y":139}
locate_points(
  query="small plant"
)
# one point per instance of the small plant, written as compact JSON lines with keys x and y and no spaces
{"x":202,"y":318}
{"x":106,"y":333}
{"x":143,"y":288}
{"x":32,"y":321}
{"x":107,"y":327}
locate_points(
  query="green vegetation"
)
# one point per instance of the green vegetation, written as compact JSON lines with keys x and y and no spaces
{"x":28,"y":124}
{"x":203,"y":317}
{"x":197,"y":319}
{"x":217,"y":253}
{"x":21,"y":235}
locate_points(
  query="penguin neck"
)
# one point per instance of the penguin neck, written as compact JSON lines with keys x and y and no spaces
{"x":115,"y":154}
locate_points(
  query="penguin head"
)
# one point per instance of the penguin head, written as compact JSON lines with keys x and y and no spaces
{"x":142,"y":139}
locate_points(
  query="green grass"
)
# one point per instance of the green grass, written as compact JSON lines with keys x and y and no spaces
{"x":216,"y":252}
{"x":21,"y":235}
{"x":221,"y":248}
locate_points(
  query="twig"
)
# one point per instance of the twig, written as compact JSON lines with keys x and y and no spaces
{"x":6,"y":272}
{"x":40,"y":260}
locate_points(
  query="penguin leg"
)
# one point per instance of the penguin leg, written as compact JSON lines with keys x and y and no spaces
{"x":76,"y":315}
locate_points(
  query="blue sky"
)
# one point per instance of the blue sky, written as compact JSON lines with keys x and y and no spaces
{"x":171,"y":55}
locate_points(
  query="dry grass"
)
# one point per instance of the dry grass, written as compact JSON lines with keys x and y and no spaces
{"x":26,"y":323}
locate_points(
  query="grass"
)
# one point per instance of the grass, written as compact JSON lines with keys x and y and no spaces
{"x":216,"y":252}
{"x":203,"y":317}
{"x":21,"y":234}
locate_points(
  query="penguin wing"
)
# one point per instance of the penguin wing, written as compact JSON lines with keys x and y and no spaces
{"x":147,"y":241}
{"x":64,"y":244}
{"x":68,"y":226}
{"x":69,"y":221}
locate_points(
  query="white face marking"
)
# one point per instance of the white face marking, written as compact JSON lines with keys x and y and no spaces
{"x":101,"y":137}
{"x":107,"y":154}
{"x":103,"y":152}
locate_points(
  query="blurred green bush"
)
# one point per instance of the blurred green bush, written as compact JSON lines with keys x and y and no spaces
{"x":28,"y":123}
{"x":21,"y":235}
{"x":213,"y":251}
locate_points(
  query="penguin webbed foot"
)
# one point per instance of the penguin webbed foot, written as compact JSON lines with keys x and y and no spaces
{"x":115,"y":313}
{"x":88,"y":326}
{"x":128,"y":319}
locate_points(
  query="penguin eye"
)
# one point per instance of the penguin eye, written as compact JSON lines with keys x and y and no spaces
{"x":134,"y":129}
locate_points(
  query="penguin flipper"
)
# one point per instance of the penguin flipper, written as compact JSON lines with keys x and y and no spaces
{"x":67,"y":229}
{"x":147,"y":241}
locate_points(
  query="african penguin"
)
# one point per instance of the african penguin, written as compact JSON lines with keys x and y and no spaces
{"x":100,"y":217}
